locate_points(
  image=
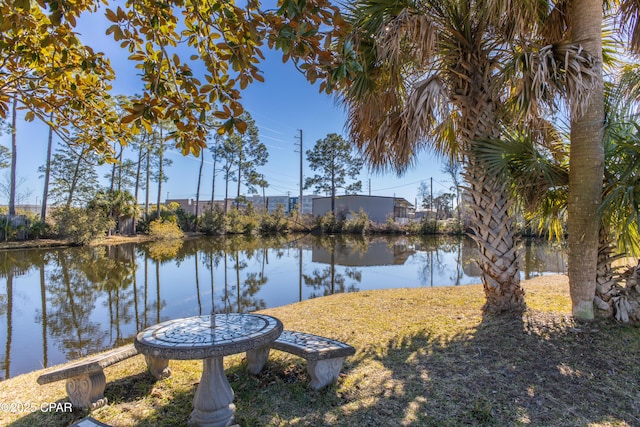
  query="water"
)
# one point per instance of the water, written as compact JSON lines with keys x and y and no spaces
{"x":63,"y":303}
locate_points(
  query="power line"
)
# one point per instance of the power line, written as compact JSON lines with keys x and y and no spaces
{"x":400,"y":186}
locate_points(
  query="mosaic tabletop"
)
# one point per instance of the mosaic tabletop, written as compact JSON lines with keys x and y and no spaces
{"x":202,"y":337}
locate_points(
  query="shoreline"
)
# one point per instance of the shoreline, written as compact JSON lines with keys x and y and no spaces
{"x":61,"y":243}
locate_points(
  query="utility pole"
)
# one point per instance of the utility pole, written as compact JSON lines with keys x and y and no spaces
{"x":300,"y":197}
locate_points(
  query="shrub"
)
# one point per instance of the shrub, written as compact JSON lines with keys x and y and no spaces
{"x":8,"y":231}
{"x":24,"y":226}
{"x":250,"y":223}
{"x":235,"y":223}
{"x":391,"y":226}
{"x":81,"y":226}
{"x":452,"y":226}
{"x":327,"y":223}
{"x":301,"y":223}
{"x":39,"y":229}
{"x":241,"y":223}
{"x":142,"y":225}
{"x":164,"y":230}
{"x":413,"y":227}
{"x":213,"y":222}
{"x":275,"y":222}
{"x":428,"y":226}
{"x":357,"y":224}
{"x":186,"y":221}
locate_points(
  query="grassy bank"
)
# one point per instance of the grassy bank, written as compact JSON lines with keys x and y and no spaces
{"x":425,"y":357}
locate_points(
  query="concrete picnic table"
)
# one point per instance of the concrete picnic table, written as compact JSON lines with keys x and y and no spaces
{"x":210,"y":338}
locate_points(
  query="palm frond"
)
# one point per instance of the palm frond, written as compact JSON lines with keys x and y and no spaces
{"x":446,"y":137}
{"x":555,"y":70}
{"x":620,"y":209}
{"x":536,"y":171}
{"x":516,"y":18}
{"x":629,"y":84}
{"x":409,"y":36}
{"x":529,"y":168}
{"x":426,"y":105}
{"x":629,"y":14}
{"x":551,"y":213}
{"x":557,"y":23}
{"x":390,"y":130}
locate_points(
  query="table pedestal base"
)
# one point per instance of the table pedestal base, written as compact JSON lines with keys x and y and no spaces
{"x":212,"y":403}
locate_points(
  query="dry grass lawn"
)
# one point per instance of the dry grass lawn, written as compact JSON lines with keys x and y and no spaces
{"x":425,"y":357}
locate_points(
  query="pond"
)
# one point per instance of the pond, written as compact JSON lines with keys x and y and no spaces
{"x":63,"y":303}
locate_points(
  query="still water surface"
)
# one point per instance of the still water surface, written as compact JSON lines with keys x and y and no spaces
{"x":60,"y":304}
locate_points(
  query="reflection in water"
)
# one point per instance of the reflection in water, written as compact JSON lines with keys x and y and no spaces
{"x":72,"y":298}
{"x":9,"y":313}
{"x":327,"y":281}
{"x":164,"y":250}
{"x":59,"y":304}
{"x":43,"y":315}
{"x":361,"y":251}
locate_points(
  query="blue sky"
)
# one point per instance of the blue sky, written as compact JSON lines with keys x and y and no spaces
{"x":281,"y":106}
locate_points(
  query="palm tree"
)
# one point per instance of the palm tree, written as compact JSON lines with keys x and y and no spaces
{"x":586,"y":166}
{"x":582,"y":21}
{"x":617,"y":292}
{"x":447,"y":74}
{"x":539,"y":178}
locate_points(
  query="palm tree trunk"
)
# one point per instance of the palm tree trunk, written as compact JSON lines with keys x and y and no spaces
{"x":616,"y":291}
{"x":586,"y":169}
{"x":606,"y":278}
{"x":487,"y":199}
{"x":493,"y":231}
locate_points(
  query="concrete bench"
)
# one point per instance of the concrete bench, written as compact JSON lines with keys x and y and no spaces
{"x":89,"y":422}
{"x":85,"y":377}
{"x":324,"y":356}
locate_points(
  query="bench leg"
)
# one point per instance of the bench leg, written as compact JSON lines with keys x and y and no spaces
{"x":256,"y":359}
{"x":323,"y":372}
{"x":159,"y":368}
{"x":87,"y":391}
